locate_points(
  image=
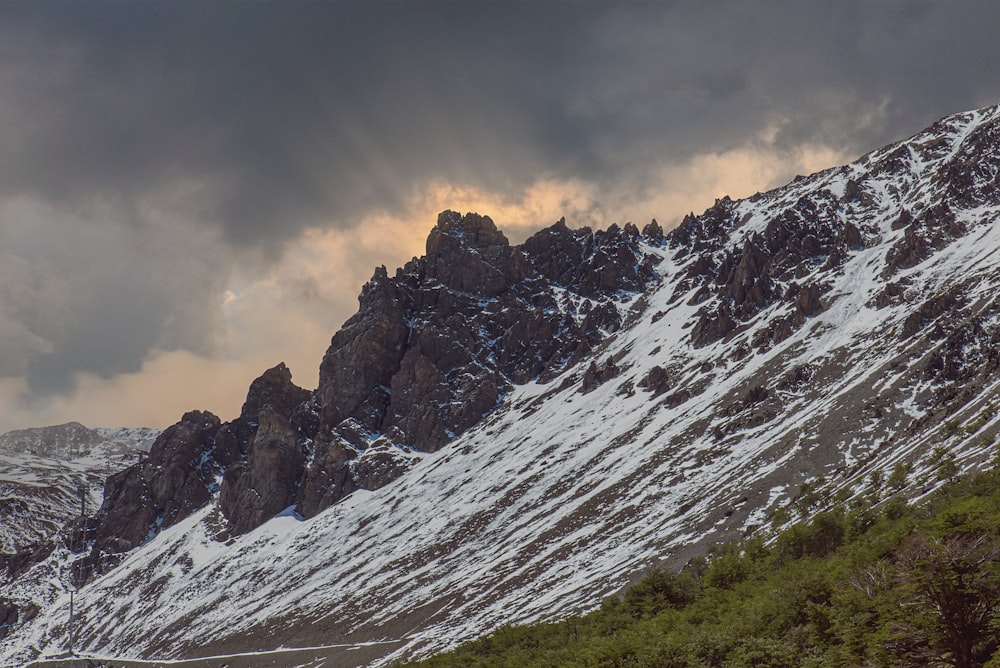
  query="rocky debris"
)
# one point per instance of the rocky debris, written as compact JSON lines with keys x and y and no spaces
{"x":933,"y":229}
{"x":657,"y":381}
{"x":595,"y":376}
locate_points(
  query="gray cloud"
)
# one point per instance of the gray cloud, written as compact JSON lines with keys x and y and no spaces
{"x":85,"y":295}
{"x":314,"y":113}
{"x":250,"y":122}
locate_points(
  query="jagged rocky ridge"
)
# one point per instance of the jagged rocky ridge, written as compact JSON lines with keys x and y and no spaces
{"x":803,"y":338}
{"x":429,"y":353}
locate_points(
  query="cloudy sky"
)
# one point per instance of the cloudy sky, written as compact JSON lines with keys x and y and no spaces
{"x":191,"y":192}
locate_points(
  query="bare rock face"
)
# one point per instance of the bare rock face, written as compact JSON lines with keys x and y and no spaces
{"x":364,"y":356}
{"x":433,"y":349}
{"x":8,"y":617}
{"x":380,"y":464}
{"x":177,"y":478}
{"x":11,"y":614}
{"x":166,"y":487}
{"x":274,"y":389}
{"x":23,"y":559}
{"x":468,"y":254}
{"x":266,"y":483}
{"x":260,"y":455}
{"x":327,"y":479}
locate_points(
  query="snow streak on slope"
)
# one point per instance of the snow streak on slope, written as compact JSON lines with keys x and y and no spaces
{"x":561,"y":495}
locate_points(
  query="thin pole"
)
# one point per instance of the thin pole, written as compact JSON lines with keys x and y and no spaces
{"x":71,"y":652}
{"x":82,"y":489}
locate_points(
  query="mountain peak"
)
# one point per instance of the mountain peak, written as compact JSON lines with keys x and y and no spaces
{"x":273,"y":389}
{"x":470,"y":231}
{"x":71,"y":439}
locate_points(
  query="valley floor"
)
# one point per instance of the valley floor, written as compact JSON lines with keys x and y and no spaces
{"x":332,"y":656}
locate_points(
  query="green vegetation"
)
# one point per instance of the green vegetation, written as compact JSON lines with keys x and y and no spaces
{"x":898,"y":586}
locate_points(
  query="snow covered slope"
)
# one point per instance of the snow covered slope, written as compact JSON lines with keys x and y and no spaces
{"x":797,"y":341}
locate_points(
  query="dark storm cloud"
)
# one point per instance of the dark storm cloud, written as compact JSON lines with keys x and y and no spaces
{"x":254,"y":120}
{"x":308,"y":113}
{"x":294,"y":115}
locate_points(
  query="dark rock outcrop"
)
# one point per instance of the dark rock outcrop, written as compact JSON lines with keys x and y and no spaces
{"x":657,"y":381}
{"x":931,"y":231}
{"x":12,"y":614}
{"x":25,"y":558}
{"x":765,"y":267}
{"x":8,"y":617}
{"x":595,"y":376}
{"x":433,"y":349}
{"x":430,"y":351}
{"x":183,"y":472}
{"x":267,"y":482}
{"x":175,"y":480}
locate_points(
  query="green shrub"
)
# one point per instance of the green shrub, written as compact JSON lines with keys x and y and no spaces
{"x":660,"y":590}
{"x":855,"y":588}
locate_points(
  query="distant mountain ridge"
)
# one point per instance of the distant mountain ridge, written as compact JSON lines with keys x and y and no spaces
{"x":72,"y":439}
{"x":567,"y":411}
{"x":44,"y":469}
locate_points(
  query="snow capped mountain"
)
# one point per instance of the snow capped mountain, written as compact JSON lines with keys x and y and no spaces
{"x":135,"y":438}
{"x":44,"y":470}
{"x":547,"y":420}
{"x":72,"y":440}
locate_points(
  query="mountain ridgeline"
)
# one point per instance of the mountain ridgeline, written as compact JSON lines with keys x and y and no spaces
{"x":430,"y":352}
{"x":596,"y":402}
